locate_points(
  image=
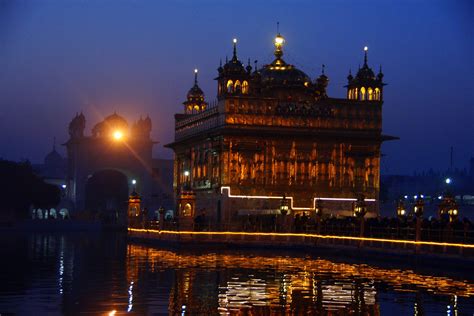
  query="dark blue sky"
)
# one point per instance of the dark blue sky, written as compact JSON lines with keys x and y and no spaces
{"x":137,"y":57}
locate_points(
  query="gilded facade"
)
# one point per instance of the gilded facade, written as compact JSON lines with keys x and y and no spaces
{"x":273,"y":132}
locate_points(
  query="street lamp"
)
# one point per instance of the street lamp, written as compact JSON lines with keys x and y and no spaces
{"x":284,"y":208}
{"x":401,"y":211}
{"x":453,"y":212}
{"x":318,"y":210}
{"x":360,"y":207}
{"x":448,"y":180}
{"x":419,"y":206}
{"x":418,"y":210}
{"x":134,"y":181}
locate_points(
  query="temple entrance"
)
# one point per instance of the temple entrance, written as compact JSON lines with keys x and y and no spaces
{"x":107,"y":196}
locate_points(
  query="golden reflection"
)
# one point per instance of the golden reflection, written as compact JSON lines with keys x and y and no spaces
{"x":281,"y":283}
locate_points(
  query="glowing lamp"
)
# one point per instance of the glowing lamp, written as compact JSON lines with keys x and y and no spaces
{"x":401,"y":211}
{"x":134,"y":181}
{"x":63,"y":186}
{"x":418,"y":208}
{"x":118,"y":135}
{"x":186,"y":173}
{"x":196,"y":71}
{"x":234,"y":40}
{"x":448,"y":180}
{"x":318,"y":210}
{"x":366,"y":48}
{"x":360,"y":208}
{"x":284,"y":206}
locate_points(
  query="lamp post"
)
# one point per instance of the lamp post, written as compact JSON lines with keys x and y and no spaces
{"x":401,"y":211}
{"x":161,"y":211}
{"x":284,"y":208}
{"x":318,"y":211}
{"x":453,"y":211}
{"x":418,"y":211}
{"x":360,"y":209}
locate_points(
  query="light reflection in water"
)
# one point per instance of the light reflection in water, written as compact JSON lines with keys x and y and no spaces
{"x":96,"y":274}
{"x":284,"y":284}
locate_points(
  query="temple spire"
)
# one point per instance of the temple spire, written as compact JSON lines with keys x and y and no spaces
{"x":195,"y":77}
{"x":234,"y":57}
{"x":323,"y":67}
{"x":279,"y":40}
{"x":366,"y":49}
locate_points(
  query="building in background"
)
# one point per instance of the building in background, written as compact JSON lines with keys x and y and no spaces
{"x":273,"y":132}
{"x":105,"y":167}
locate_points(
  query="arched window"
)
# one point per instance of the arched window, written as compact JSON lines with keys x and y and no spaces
{"x":196,"y":107}
{"x":370,"y":94}
{"x":351,"y":94}
{"x":230,"y":86}
{"x":356,"y":94}
{"x":377,"y":94}
{"x":237,"y":87}
{"x":362,"y":93}
{"x":245,"y":87}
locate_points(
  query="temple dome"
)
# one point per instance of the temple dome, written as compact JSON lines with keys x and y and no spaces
{"x":365,"y":73}
{"x":195,"y":93}
{"x":110,"y":123}
{"x":281,"y":73}
{"x":53,"y":157}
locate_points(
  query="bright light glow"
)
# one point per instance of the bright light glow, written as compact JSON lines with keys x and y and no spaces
{"x":422,"y":196}
{"x":118,"y":135}
{"x":63,"y":186}
{"x":406,"y":196}
{"x":415,"y":197}
{"x":366,"y":48}
{"x":448,"y":180}
{"x":196,"y":71}
{"x":279,"y":40}
{"x":134,"y":181}
{"x":112,"y":313}
{"x":455,"y":212}
{"x":186,"y":173}
{"x":440,"y":197}
{"x":216,"y":233}
{"x":235,"y":41}
{"x":289,"y":198}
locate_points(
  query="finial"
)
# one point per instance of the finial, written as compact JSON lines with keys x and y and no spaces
{"x":195,"y":76}
{"x":235,"y":48}
{"x":220,"y":63}
{"x":324,"y":66}
{"x":278,"y":27}
{"x":226,"y":59}
{"x":279,"y":40}
{"x":380,"y":69}
{"x":350,"y":71}
{"x":366,"y":49}
{"x":255,"y":62}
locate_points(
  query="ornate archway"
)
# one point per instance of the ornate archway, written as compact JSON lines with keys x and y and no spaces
{"x":107,"y":195}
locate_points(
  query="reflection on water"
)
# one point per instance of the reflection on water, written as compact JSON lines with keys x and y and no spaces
{"x":99,"y":274}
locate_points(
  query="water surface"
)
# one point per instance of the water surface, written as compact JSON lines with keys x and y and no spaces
{"x":94,"y":273}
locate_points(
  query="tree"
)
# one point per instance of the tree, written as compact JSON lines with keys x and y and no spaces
{"x":20,"y":188}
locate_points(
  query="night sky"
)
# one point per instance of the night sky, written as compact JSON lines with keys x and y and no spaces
{"x":137,"y":58}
